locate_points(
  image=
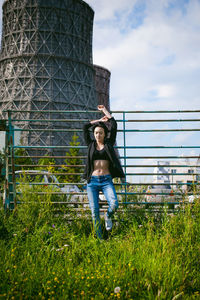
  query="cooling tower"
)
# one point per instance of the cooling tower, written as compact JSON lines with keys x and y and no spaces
{"x":46,"y":64}
{"x":102,"y":83}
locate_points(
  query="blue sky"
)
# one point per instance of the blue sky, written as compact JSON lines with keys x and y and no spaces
{"x":152,"y":48}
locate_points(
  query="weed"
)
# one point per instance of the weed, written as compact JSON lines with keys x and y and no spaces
{"x":46,"y":255}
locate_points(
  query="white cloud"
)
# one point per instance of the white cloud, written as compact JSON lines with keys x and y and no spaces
{"x":157,"y":63}
{"x":164,"y":91}
{"x":108,"y":10}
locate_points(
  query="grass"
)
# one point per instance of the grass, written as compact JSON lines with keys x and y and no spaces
{"x":44,"y":256}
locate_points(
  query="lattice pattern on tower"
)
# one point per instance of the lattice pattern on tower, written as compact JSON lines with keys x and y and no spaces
{"x":46,"y":63}
{"x":102,"y":82}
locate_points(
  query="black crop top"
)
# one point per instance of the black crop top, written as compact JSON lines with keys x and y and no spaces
{"x":100,"y":155}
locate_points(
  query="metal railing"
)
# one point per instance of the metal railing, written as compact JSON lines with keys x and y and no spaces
{"x":135,"y":146}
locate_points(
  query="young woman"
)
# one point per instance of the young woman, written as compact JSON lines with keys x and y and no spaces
{"x":102,"y":165}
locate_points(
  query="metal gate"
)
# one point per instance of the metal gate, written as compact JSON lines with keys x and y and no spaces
{"x":148,"y":141}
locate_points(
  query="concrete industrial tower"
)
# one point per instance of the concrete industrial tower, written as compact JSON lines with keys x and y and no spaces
{"x":46,"y":64}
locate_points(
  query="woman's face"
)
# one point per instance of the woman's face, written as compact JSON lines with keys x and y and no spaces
{"x":99,"y":134}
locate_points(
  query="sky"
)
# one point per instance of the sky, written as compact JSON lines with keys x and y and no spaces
{"x":152,"y":48}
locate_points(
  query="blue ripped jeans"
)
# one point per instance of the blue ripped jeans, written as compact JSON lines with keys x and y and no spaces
{"x":96,"y":184}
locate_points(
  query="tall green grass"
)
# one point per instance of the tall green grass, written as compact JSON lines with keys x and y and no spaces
{"x":47,"y":256}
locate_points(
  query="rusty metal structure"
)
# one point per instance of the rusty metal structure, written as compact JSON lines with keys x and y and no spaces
{"x":46,"y":64}
{"x":102,"y":82}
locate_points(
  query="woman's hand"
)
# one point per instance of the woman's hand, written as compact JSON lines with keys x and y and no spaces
{"x":101,"y":107}
{"x":104,"y":110}
{"x":104,"y":119}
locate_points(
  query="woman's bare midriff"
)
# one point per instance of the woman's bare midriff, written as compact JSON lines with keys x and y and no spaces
{"x":101,"y":167}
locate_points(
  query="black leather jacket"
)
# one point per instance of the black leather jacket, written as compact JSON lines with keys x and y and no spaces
{"x":114,"y":165}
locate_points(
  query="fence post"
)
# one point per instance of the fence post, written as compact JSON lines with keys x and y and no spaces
{"x":3,"y":127}
{"x":124,"y":134}
{"x":10,"y":189}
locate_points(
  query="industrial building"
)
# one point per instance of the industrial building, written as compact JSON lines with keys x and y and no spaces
{"x":46,"y":65}
{"x":182,"y":173}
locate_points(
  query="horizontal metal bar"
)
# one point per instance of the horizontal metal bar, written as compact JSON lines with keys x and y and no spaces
{"x":66,"y":174}
{"x":137,"y":174}
{"x":120,"y":184}
{"x":51,"y":120}
{"x":155,"y":111}
{"x":160,"y":157}
{"x":152,"y":203}
{"x":120,"y":204}
{"x":50,"y":165}
{"x":53,"y":111}
{"x":49,"y":156}
{"x":158,"y":174}
{"x":127,"y":130}
{"x":121,"y":157}
{"x":127,"y":166}
{"x":47,"y":130}
{"x":49,"y":147}
{"x":56,"y":193}
{"x":47,"y":183}
{"x":159,"y":120}
{"x":130,"y":194}
{"x":118,"y":147}
{"x":116,"y":184}
{"x":158,"y":184}
{"x":119,"y":121}
{"x":113,"y":111}
{"x":102,"y":203}
{"x":157,"y":130}
{"x":156,"y":147}
{"x":155,"y":166}
{"x":170,"y":194}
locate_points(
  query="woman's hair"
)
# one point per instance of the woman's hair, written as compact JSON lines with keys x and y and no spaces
{"x":102,"y":125}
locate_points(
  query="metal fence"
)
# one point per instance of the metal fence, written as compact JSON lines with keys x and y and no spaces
{"x":140,"y":155}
